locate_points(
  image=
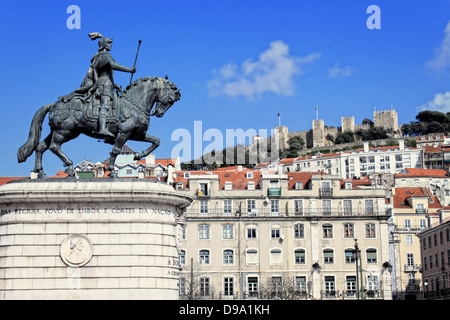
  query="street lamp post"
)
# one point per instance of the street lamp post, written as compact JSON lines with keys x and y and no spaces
{"x":357,"y":256}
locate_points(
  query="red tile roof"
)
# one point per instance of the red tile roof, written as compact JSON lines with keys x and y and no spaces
{"x":412,"y":172}
{"x":402,"y":194}
{"x":303,"y":177}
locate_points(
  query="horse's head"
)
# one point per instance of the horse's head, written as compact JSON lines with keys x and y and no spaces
{"x":151,"y":90}
{"x":168,"y":95}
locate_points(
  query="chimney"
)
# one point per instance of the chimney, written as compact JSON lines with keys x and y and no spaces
{"x":150,"y":160}
{"x":366,"y":146}
{"x":401,"y":144}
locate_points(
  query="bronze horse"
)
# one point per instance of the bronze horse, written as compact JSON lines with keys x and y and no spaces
{"x":130,"y":121}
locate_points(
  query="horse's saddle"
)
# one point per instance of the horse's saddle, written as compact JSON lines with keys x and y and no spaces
{"x":89,"y":107}
{"x":91,"y":110}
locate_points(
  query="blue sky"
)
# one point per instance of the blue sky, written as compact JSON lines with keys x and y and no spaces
{"x":238,"y":63}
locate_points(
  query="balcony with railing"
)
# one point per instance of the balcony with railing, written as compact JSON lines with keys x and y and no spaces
{"x":409,"y":228}
{"x":267,"y":212}
{"x":412,"y":268}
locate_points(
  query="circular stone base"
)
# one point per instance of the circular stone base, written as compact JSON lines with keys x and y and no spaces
{"x":97,"y":239}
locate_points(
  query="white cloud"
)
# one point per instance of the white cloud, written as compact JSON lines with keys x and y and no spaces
{"x":340,"y":72}
{"x":441,"y":59}
{"x":274,"y":71}
{"x":441,"y":102}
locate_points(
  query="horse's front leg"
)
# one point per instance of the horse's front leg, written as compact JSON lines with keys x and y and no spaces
{"x":148,"y":138}
{"x":121,"y":139}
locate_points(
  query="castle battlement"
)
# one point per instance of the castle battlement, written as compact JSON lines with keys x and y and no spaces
{"x":317,"y":136}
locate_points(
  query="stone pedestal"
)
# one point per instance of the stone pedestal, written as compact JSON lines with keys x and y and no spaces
{"x":89,"y":239}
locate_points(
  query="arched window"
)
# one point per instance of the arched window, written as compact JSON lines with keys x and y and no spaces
{"x":204,"y":257}
{"x":228,"y":256}
{"x":299,"y":256}
{"x":328,"y":256}
{"x":371,"y":255}
{"x":275,"y":256}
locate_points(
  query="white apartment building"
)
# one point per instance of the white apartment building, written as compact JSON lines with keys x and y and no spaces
{"x":250,"y":235}
{"x":361,"y":162}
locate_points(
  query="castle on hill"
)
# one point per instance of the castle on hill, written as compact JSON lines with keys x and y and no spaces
{"x":317,"y":136}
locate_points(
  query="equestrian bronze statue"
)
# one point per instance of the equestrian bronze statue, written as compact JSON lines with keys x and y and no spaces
{"x":101,"y":110}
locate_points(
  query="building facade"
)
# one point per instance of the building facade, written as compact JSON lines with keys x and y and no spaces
{"x":410,"y":207}
{"x":435,"y":252}
{"x":252,"y":234}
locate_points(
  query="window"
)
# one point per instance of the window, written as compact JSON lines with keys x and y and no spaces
{"x":251,"y":232}
{"x":407,"y":224}
{"x":298,"y":207}
{"x":410,"y":259}
{"x":252,"y":285}
{"x":409,"y":240}
{"x":204,"y":206}
{"x":277,"y":286}
{"x":251,"y":206}
{"x":228,"y":286}
{"x":372,"y":285}
{"x":327,"y":231}
{"x":228,"y":231}
{"x":298,"y":185}
{"x":203,"y":188}
{"x":329,"y":287}
{"x":299,"y":231}
{"x":182,"y":257}
{"x":300,"y":284}
{"x":275,"y":256}
{"x":227,"y":206}
{"x":328,"y":256}
{"x":251,"y":185}
{"x":228,"y":185}
{"x":348,"y":207}
{"x":348,"y":230}
{"x":204,"y":257}
{"x":370,"y":230}
{"x":371,"y":255}
{"x":182,"y":286}
{"x":203,"y":231}
{"x":299,"y":256}
{"x":369,"y":206}
{"x":205,"y":288}
{"x":129,"y":171}
{"x":228,"y":257}
{"x":252,"y":256}
{"x":275,"y":232}
{"x":350,"y":282}
{"x":249,"y":175}
{"x":326,"y":207}
{"x":274,"y":207}
{"x":349,"y":256}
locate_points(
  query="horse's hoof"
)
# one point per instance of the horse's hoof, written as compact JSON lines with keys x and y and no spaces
{"x":41,"y":175}
{"x":137,"y":156}
{"x":113,"y":174}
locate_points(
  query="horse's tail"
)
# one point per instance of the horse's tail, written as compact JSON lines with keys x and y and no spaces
{"x":35,"y":134}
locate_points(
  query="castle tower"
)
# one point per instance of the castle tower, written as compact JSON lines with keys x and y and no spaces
{"x":386,"y":118}
{"x":282,"y":132}
{"x":348,"y":124}
{"x":318,"y":133}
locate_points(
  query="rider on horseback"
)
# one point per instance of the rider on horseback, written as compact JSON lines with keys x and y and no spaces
{"x":103,"y":66}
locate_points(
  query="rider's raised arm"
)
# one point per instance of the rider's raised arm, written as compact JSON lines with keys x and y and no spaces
{"x":119,"y":67}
